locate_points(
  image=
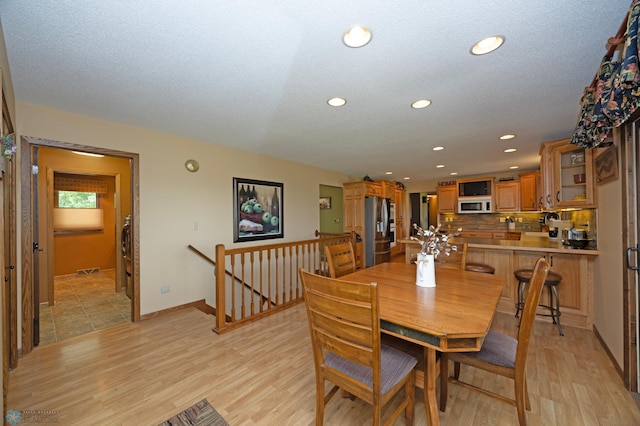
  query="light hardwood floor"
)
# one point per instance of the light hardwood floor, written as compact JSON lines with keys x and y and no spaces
{"x":262,"y":374}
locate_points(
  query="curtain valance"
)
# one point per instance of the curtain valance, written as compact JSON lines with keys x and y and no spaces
{"x":79,"y":183}
{"x":615,"y":93}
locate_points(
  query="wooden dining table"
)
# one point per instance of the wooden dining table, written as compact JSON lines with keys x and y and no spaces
{"x":453,"y":316}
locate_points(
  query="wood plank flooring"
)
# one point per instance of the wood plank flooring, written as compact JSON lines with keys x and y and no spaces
{"x":262,"y":374}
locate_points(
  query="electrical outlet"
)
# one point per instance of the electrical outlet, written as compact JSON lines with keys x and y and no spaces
{"x":502,"y":219}
{"x":164,"y":289}
{"x":520,"y":219}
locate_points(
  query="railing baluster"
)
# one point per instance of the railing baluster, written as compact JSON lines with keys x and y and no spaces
{"x":272,"y":277}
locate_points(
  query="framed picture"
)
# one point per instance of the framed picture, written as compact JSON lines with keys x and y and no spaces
{"x":257,"y":210}
{"x":607,"y":166}
{"x":325,"y":202}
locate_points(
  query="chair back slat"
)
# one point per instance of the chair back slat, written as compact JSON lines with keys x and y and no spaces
{"x":456,"y":259}
{"x":341,"y":259}
{"x":534,"y":289}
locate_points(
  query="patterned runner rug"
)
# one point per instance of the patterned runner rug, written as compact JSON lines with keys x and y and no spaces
{"x":199,"y":414}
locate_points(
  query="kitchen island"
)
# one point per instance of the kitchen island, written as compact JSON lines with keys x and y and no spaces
{"x":575,"y":265}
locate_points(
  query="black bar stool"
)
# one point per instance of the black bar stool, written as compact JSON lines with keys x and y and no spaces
{"x":480,"y":267}
{"x":553,"y":280}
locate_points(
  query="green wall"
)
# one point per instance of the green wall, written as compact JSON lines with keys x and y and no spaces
{"x":331,"y":219}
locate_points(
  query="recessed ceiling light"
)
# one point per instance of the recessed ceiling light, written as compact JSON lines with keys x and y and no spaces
{"x":453,"y":173}
{"x":439,"y":166}
{"x":357,"y":36}
{"x":438,"y":148}
{"x":513,"y":167}
{"x":487,"y":45}
{"x":337,"y":102}
{"x":506,"y":137}
{"x":406,"y":178}
{"x":510,"y":150}
{"x":388,"y":173}
{"x":422,"y":103}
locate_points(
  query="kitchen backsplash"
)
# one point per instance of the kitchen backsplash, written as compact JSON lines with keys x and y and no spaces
{"x":531,"y":222}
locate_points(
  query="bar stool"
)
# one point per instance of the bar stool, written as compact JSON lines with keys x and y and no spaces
{"x":480,"y":267}
{"x":551,"y":283}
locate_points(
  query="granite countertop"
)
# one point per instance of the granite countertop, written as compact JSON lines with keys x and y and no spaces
{"x":526,"y":243}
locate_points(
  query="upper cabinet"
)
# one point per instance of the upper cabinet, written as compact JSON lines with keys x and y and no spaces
{"x":507,"y":196}
{"x":447,"y":199}
{"x":529,"y":193}
{"x":567,"y":175}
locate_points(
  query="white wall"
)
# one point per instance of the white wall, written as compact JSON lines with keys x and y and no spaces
{"x":172,"y":199}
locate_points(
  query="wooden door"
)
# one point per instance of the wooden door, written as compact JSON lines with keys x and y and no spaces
{"x":8,"y":224}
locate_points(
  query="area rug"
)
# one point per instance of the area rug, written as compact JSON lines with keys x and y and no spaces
{"x":199,"y":414}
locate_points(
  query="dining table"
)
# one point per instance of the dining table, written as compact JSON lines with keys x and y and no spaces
{"x":453,"y":316}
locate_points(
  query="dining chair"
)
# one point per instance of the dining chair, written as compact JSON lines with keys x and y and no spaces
{"x":340,"y":258}
{"x":344,"y":321}
{"x":456,"y":259}
{"x":501,"y":354}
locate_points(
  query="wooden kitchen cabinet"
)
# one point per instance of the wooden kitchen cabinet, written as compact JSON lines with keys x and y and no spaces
{"x":401,"y":231}
{"x":502,"y":261}
{"x":507,"y":196}
{"x":447,"y":199}
{"x":529,"y":193}
{"x":575,"y":289}
{"x":353,"y":200}
{"x":567,"y":177}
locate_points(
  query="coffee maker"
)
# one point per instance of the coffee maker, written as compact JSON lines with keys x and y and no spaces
{"x":556,"y":226}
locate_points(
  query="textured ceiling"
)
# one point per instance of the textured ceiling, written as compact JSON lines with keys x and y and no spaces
{"x":256,"y":75}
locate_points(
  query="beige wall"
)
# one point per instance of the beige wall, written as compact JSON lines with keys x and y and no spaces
{"x":172,"y":199}
{"x":608,"y":301}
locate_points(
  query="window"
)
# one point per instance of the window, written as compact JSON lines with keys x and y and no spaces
{"x":77,"y":203}
{"x":77,"y":200}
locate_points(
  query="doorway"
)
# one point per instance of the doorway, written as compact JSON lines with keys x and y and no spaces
{"x":424,"y":210}
{"x":331,"y":209}
{"x":37,"y":232}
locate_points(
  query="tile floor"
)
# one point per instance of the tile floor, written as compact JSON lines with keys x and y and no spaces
{"x":83,"y":304}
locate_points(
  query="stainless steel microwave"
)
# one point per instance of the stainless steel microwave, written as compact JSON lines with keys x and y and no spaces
{"x":474,"y":205}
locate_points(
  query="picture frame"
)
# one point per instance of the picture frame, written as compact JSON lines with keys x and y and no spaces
{"x":257,"y":210}
{"x":325,"y":203}
{"x":606,"y":166}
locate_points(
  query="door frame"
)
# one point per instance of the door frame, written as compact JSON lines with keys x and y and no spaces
{"x":27,"y":143}
{"x":630,"y":166}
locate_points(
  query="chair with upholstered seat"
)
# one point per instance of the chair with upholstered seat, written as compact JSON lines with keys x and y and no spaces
{"x":341,"y":259}
{"x":501,"y":354}
{"x":344,"y":320}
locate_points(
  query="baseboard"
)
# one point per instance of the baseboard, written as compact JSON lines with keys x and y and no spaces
{"x":201,"y":305}
{"x":609,"y":353}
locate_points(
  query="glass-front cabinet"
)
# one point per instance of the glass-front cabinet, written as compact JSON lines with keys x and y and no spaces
{"x":568,"y":175}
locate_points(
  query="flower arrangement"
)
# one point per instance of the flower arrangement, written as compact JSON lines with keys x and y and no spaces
{"x":8,"y":145}
{"x":433,"y":241}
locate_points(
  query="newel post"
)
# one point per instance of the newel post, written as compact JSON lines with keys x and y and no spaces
{"x":220,"y":288}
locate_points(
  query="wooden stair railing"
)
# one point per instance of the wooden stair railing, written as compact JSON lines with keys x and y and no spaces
{"x":235,"y":279}
{"x":268,"y":275}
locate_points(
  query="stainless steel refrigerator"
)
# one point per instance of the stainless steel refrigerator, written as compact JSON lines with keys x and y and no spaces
{"x":377,"y":245}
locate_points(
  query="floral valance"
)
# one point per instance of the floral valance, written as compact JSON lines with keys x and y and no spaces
{"x":616,"y":93}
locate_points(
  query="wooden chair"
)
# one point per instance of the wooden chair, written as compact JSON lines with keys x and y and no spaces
{"x":344,"y":322}
{"x":501,"y":354}
{"x":456,"y":259}
{"x":341,"y":259}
